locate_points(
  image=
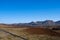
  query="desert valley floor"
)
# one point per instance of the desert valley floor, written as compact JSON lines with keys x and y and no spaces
{"x":28,"y":34}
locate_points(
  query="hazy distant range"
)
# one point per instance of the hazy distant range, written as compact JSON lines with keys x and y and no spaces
{"x":45,"y":24}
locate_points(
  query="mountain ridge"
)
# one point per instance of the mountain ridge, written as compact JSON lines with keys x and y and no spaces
{"x":44,"y":24}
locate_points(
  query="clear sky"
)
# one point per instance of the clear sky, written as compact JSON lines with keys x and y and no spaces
{"x":21,"y":11}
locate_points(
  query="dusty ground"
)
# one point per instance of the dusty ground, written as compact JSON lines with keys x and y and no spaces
{"x":25,"y":34}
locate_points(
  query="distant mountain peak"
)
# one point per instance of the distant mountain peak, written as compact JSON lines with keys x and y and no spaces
{"x":37,"y":23}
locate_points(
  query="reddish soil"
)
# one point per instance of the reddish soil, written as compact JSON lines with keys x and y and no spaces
{"x":40,"y":31}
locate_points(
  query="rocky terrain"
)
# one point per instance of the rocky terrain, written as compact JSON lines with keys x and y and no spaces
{"x":40,"y":30}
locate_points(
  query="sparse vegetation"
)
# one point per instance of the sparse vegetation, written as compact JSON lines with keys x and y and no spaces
{"x":21,"y":32}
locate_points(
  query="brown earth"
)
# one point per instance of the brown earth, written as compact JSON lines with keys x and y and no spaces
{"x":41,"y":31}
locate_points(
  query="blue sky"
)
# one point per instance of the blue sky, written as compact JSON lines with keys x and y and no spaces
{"x":21,"y":11}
